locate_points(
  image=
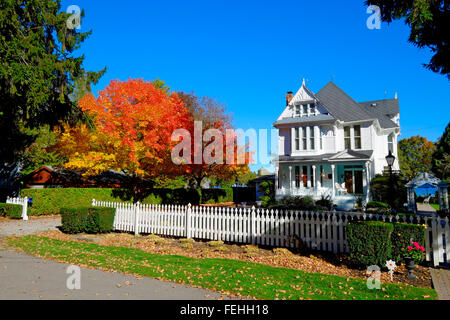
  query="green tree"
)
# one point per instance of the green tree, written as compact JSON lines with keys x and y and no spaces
{"x":441,"y":156}
{"x":415,"y":155}
{"x":428,"y":20}
{"x":40,"y":153}
{"x":39,"y":71}
{"x":245,"y":177}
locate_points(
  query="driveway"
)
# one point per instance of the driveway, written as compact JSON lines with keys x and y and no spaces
{"x":23,"y":276}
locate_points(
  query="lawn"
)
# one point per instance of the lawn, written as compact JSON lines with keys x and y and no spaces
{"x":435,"y":206}
{"x":223,"y":275}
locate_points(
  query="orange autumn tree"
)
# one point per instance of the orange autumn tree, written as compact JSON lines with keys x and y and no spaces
{"x":212,"y":115}
{"x":134,"y":121}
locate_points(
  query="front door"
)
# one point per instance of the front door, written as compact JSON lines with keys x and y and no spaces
{"x":349,"y":181}
{"x":359,"y":182}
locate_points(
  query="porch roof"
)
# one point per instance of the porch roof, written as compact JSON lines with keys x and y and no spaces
{"x":343,"y":156}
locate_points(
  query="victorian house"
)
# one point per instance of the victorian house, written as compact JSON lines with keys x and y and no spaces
{"x":332,"y":146}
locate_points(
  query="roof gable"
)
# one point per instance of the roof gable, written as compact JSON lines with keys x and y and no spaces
{"x":352,"y":155}
{"x":303,"y":96}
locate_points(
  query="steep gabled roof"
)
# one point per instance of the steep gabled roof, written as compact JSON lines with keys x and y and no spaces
{"x":341,"y":105}
{"x":386,"y":106}
{"x":344,"y":108}
{"x":383,"y":110}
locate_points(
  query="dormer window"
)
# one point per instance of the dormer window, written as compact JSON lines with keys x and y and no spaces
{"x":313,"y":109}
{"x":297,"y":110}
{"x":305,"y":109}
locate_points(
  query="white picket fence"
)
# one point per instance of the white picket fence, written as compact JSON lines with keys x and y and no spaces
{"x":23,"y":202}
{"x":324,"y":231}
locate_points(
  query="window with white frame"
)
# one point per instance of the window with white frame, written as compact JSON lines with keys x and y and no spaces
{"x":357,"y":133}
{"x":304,"y":139}
{"x":321,"y":138}
{"x":305,"y":109}
{"x":311,"y":138}
{"x":312,"y":109}
{"x":297,"y":139}
{"x":391,"y":143}
{"x":297,"y":110}
{"x":347,"y":138}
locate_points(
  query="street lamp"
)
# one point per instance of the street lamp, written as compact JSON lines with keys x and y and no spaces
{"x":390,"y":158}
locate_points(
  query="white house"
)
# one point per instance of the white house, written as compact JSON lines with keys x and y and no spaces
{"x":331,"y":145}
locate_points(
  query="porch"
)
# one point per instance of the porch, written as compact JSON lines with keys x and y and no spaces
{"x":341,"y":182}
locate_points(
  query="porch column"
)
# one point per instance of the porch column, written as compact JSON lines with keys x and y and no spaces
{"x":443,"y":196}
{"x":276,"y":177}
{"x":367,"y":182}
{"x":308,"y":173}
{"x":314,"y":177}
{"x":412,"y":199}
{"x":333,"y":179}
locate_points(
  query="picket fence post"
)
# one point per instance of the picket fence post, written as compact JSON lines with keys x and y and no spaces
{"x":25,"y":209}
{"x":136,"y":218}
{"x":188,"y":221}
{"x":253,"y":225}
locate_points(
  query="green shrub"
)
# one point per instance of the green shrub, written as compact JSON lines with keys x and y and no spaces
{"x":402,"y":235}
{"x":50,"y":201}
{"x":87,"y":220}
{"x":370,"y":242}
{"x":381,"y":190}
{"x":12,"y":211}
{"x":295,"y":203}
{"x":217,"y":195}
{"x":325,"y":202}
{"x":377,"y":204}
{"x":378,"y":207}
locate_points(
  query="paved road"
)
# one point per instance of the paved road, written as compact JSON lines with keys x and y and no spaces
{"x":23,"y":276}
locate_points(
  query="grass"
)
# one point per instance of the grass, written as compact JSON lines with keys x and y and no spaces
{"x":226,"y":276}
{"x":435,"y":206}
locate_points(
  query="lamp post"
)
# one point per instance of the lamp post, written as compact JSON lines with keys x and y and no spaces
{"x":390,"y":158}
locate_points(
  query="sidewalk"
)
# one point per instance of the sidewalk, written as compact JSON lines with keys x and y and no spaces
{"x":441,"y":283}
{"x":425,"y":210}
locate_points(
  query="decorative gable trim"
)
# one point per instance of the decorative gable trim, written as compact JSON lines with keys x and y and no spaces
{"x":303,"y":96}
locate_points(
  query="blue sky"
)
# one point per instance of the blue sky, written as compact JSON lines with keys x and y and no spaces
{"x":248,"y":54}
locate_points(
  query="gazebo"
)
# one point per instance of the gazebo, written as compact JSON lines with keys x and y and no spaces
{"x":427,"y":179}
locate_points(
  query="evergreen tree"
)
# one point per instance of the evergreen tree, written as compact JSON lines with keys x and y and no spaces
{"x":441,"y":156}
{"x":38,"y":71}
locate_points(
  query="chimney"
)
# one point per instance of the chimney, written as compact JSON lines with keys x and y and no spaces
{"x":289,"y":97}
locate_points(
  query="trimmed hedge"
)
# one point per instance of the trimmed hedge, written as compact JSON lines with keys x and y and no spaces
{"x":402,"y":235}
{"x":87,"y":220}
{"x":375,"y":242}
{"x":12,"y":211}
{"x":370,"y":242}
{"x":50,"y":201}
